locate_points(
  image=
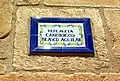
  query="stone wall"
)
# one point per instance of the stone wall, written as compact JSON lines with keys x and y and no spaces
{"x":17,"y":65}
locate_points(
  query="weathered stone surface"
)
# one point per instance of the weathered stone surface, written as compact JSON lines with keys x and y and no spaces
{"x":112,"y":19}
{"x":110,"y":76}
{"x":6,"y":44}
{"x":22,"y":61}
{"x":5,"y":18}
{"x":6,"y":50}
{"x":47,"y":76}
{"x":6,"y":47}
{"x":51,"y":77}
{"x":3,"y":66}
{"x":6,"y":35}
{"x":27,"y":2}
{"x":96,"y":3}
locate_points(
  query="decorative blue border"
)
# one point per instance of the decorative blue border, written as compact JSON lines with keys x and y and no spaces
{"x":34,"y":36}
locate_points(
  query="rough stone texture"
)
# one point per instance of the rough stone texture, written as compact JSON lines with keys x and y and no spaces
{"x":6,"y":51}
{"x":6,"y":35}
{"x":51,"y":77}
{"x":110,"y":76}
{"x":104,"y":66}
{"x":6,"y":46}
{"x":3,"y":66}
{"x":21,"y":60}
{"x":47,"y":76}
{"x":27,"y":2}
{"x":96,"y":3}
{"x":113,"y":21}
{"x":5,"y":17}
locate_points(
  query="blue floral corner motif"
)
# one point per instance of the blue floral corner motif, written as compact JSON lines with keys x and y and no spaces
{"x":61,"y":35}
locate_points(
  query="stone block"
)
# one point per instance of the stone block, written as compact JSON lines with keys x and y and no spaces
{"x":27,"y":2}
{"x":5,"y":18}
{"x":92,"y":3}
{"x":50,"y":77}
{"x":22,"y":61}
{"x":113,"y":26}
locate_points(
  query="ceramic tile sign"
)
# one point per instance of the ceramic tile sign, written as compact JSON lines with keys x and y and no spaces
{"x":61,"y":35}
